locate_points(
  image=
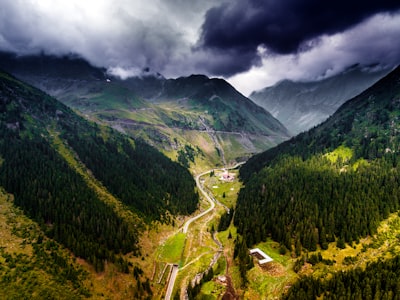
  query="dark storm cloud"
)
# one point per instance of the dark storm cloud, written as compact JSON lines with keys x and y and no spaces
{"x":229,"y":61}
{"x":283,"y":27}
{"x":252,"y":43}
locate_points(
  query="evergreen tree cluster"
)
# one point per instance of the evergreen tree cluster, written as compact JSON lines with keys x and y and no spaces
{"x":193,"y":292}
{"x":143,"y":289}
{"x":225,"y":220}
{"x":306,"y":203}
{"x":55,"y":196}
{"x":379,"y":280}
{"x":48,"y":273}
{"x":139,"y":175}
{"x":187,"y":155}
{"x":243,"y":258}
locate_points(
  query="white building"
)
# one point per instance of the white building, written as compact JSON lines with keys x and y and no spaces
{"x":261,"y":256}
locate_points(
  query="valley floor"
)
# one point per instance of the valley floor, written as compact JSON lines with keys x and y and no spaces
{"x":194,"y":254}
{"x":185,"y":249}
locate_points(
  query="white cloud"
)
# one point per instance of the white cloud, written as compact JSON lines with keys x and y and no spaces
{"x":124,"y":73}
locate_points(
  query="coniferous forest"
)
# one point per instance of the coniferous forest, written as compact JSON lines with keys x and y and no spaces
{"x":336,"y":182}
{"x":379,"y":280}
{"x":306,"y":203}
{"x":51,"y":192}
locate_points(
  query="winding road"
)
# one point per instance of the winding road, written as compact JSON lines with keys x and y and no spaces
{"x":212,"y":203}
{"x":175,"y":268}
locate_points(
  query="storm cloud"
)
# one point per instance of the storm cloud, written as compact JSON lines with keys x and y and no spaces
{"x":376,"y":41}
{"x":250,"y":43}
{"x":123,"y":33}
{"x":282,"y":27}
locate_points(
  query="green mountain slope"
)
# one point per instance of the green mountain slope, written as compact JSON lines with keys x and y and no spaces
{"x":87,"y":186}
{"x":205,"y":115}
{"x":335,"y":182}
{"x":228,"y":109}
{"x":324,"y":194}
{"x":33,"y":266}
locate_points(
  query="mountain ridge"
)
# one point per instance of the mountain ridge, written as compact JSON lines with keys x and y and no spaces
{"x":207,"y":115}
{"x":302,"y":105}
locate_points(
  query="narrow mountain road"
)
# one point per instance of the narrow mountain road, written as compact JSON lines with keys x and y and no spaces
{"x":172,"y":278}
{"x":212,"y":203}
{"x":185,"y":227}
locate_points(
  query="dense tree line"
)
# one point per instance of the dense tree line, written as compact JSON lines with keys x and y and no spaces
{"x":298,"y":196}
{"x":50,"y":192}
{"x":225,"y":220}
{"x":47,"y":188}
{"x":306,"y":203}
{"x":136,"y":173}
{"x":379,"y":280}
{"x":243,"y":259}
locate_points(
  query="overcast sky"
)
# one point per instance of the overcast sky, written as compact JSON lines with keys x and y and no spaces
{"x":251,"y":43}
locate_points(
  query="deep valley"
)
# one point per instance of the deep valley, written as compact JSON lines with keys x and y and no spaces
{"x":111,"y":191}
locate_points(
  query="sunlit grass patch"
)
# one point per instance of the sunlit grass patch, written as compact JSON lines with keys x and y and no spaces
{"x":211,"y":290}
{"x":171,"y":250}
{"x":224,"y":191}
{"x":342,"y":152}
{"x":360,"y":163}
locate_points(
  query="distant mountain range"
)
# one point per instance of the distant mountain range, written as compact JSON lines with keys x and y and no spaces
{"x":302,"y":105}
{"x":189,"y":118}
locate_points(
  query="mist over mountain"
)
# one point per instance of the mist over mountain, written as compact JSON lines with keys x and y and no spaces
{"x":302,"y":105}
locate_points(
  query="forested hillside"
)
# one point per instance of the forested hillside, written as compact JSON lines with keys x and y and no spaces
{"x":37,"y":133}
{"x":335,"y":182}
{"x":328,"y":189}
{"x":380,"y":280}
